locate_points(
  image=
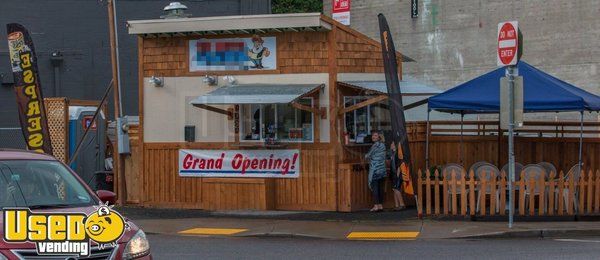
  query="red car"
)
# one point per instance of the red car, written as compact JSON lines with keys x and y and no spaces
{"x":44,"y":184}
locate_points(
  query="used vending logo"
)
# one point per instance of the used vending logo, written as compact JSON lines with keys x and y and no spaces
{"x":64,"y":233}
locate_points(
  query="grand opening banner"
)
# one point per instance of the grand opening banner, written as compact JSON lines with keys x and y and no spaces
{"x":30,"y":100}
{"x":239,"y":163}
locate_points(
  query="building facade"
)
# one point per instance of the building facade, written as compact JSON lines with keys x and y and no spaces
{"x":455,"y":41}
{"x":78,"y":30}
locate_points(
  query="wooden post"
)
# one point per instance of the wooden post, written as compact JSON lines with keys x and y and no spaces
{"x":445,"y":192}
{"x":597,"y":194}
{"x":590,"y":191}
{"x":428,"y":192}
{"x":453,"y":185}
{"x":541,"y":197}
{"x":561,"y":189}
{"x":436,"y":192}
{"x":118,"y":165}
{"x":482,"y":190}
{"x":420,"y":192}
{"x":531,"y":187}
{"x":522,"y":195}
{"x":493,"y":201}
{"x":502,"y":190}
{"x":463,"y":194}
{"x":551,"y":192}
{"x":472,"y":202}
{"x":581,"y":194}
{"x":571,"y":196}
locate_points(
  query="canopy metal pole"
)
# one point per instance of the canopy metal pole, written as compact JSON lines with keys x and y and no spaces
{"x":462,"y":118}
{"x":427,"y":143}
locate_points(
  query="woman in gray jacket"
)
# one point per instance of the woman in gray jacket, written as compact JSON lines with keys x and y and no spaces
{"x":377,"y":171}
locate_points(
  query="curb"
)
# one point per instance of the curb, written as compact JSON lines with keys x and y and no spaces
{"x":285,"y":235}
{"x":539,"y":233}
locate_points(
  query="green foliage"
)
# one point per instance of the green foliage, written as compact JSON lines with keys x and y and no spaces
{"x":296,"y":6}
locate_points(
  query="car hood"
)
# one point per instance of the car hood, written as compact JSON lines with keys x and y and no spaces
{"x":133,"y":229}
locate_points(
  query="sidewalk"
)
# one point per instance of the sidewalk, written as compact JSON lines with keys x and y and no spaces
{"x":361,"y":225}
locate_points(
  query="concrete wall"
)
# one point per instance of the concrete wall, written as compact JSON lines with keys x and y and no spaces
{"x":454,"y":41}
{"x":79,"y":29}
{"x":167,"y":109}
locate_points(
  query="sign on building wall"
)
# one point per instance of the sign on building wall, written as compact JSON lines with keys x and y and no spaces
{"x":239,"y":163}
{"x":255,"y":53}
{"x":341,"y":11}
{"x":414,"y":8}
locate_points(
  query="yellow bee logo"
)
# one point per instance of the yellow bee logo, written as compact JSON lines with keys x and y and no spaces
{"x":105,"y":226}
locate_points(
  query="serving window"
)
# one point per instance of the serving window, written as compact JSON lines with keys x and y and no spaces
{"x":278,"y":122}
{"x":359,"y":123}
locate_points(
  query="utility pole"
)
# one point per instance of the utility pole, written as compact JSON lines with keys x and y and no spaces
{"x":118,"y":160}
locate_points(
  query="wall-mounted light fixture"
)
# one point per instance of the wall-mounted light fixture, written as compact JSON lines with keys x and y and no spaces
{"x":230,"y":79}
{"x":211,"y":80}
{"x":156,"y":81}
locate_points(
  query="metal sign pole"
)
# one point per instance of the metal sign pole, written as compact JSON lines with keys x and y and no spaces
{"x":511,"y":146}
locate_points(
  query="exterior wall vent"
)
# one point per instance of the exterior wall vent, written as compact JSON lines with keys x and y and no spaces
{"x":175,"y":10}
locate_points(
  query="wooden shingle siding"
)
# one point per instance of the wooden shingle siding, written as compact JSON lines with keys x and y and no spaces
{"x":359,"y":54}
{"x":297,"y":52}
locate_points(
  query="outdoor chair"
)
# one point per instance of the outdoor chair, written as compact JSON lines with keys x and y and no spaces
{"x":535,"y":172}
{"x":575,"y":173}
{"x":549,"y":168}
{"x":455,"y":168}
{"x":487,"y":171}
{"x":476,"y":165}
{"x":516,"y":187}
{"x":448,"y":170}
{"x":518,"y":169}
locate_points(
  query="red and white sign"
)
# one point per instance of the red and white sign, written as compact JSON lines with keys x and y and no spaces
{"x":239,"y":163}
{"x":508,"y":43}
{"x":341,"y":11}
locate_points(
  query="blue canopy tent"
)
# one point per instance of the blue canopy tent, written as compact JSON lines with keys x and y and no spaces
{"x":541,"y":93}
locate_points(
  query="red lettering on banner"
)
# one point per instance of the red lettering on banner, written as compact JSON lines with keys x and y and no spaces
{"x":187,"y":164}
{"x":236,"y":163}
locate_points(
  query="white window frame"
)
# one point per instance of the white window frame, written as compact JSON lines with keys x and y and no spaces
{"x":262,"y":128}
{"x":368,"y":123}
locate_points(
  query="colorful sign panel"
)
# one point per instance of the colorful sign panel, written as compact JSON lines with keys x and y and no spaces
{"x":341,"y":11}
{"x":239,"y":163}
{"x":30,"y":101}
{"x":255,"y":53}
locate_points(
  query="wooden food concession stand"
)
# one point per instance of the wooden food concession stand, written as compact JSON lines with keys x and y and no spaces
{"x":247,"y":91}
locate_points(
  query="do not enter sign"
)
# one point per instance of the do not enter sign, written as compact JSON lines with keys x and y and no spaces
{"x":508,"y":43}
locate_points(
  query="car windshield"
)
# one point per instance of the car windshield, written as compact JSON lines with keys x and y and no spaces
{"x":40,"y":184}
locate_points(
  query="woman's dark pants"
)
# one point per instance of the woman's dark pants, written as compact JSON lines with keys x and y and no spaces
{"x":377,"y":188}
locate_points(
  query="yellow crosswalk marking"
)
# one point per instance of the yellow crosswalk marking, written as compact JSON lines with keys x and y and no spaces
{"x":404,"y":235}
{"x":212,"y":231}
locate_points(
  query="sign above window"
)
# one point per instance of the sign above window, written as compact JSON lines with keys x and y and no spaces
{"x":255,"y":53}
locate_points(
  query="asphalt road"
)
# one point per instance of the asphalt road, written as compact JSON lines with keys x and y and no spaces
{"x":188,"y":247}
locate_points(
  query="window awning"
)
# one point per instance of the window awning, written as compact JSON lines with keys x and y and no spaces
{"x":377,"y":91}
{"x":408,"y":87}
{"x":256,"y":94}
